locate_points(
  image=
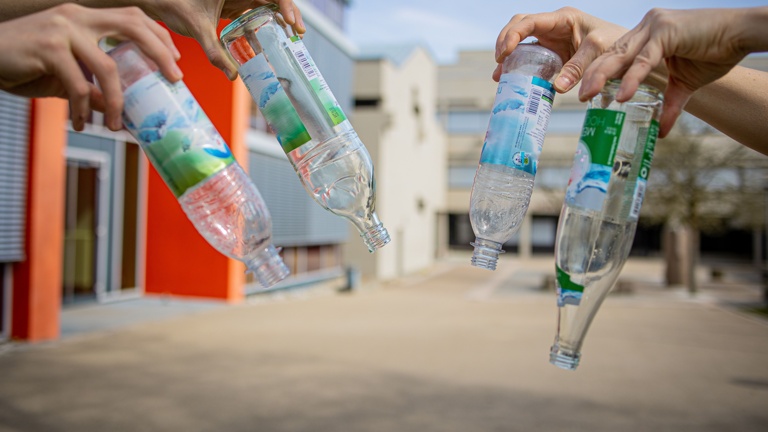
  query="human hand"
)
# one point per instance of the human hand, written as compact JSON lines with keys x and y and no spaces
{"x":698,"y":46}
{"x":577,"y":37}
{"x":198,"y":19}
{"x":41,"y":54}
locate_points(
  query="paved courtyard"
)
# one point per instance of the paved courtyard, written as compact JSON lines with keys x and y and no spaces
{"x":451,"y":349}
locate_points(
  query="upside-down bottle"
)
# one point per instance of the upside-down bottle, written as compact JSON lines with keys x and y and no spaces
{"x":331,"y":161}
{"x":504,"y":178}
{"x":602,"y":206}
{"x":194,"y":161}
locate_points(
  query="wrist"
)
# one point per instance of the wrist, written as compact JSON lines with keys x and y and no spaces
{"x":755,"y":25}
{"x":150,"y":7}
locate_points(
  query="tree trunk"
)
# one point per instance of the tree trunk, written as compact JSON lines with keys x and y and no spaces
{"x":692,"y":263}
{"x":681,"y":250}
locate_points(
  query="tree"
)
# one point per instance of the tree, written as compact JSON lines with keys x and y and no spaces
{"x":701,"y":181}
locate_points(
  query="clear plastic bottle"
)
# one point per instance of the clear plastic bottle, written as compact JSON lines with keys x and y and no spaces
{"x":197,"y":165}
{"x":602,"y":205}
{"x":504,"y":179}
{"x":331,"y":161}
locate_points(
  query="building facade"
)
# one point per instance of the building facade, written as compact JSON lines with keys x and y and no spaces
{"x":395,"y":93}
{"x":85,"y":218}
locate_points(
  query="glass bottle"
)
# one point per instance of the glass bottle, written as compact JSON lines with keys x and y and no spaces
{"x":601,"y":209}
{"x":504,"y":179}
{"x":197,"y":165}
{"x":331,"y":161}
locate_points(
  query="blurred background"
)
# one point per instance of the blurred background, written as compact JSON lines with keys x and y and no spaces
{"x":115,"y":314}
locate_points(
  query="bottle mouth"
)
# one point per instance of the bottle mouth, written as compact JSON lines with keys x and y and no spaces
{"x":268,"y":268}
{"x":564,"y":359}
{"x":376,"y":237}
{"x":486,"y":254}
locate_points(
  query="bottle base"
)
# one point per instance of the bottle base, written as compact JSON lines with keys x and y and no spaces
{"x":376,"y":238}
{"x":563,"y":359}
{"x":485,"y":257}
{"x":269,"y":271}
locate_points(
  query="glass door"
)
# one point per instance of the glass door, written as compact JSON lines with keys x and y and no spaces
{"x":85,"y":226}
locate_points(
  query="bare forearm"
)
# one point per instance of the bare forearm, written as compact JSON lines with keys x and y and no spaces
{"x":10,"y":9}
{"x":736,"y":105}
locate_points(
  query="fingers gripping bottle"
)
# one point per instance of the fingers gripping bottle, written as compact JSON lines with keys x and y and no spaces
{"x":331,"y":161}
{"x":602,"y":205}
{"x":504,"y":179}
{"x":197,"y":165}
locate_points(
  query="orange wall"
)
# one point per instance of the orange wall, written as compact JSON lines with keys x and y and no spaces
{"x":179,"y":260}
{"x":37,"y":281}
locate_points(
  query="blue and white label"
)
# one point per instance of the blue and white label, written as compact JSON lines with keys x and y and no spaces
{"x":518,"y":122}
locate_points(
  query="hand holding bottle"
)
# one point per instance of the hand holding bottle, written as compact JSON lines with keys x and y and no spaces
{"x":577,"y":37}
{"x":699,"y":46}
{"x":198,"y":19}
{"x":41,"y":54}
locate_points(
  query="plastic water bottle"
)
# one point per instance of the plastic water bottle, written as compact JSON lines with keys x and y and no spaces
{"x":602,"y":205}
{"x":197,"y":165}
{"x":331,"y":161}
{"x":504,"y":179}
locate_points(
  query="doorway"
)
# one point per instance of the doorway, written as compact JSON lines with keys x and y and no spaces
{"x":5,"y":301}
{"x":85,"y":226}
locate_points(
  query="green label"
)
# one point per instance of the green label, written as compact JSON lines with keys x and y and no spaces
{"x":316,"y":80}
{"x":273,"y":102}
{"x":650,"y":147}
{"x":568,"y":292}
{"x":601,"y":133}
{"x":177,"y":136}
{"x":593,"y":160}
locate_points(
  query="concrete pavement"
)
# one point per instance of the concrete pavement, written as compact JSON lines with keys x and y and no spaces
{"x":451,"y":349}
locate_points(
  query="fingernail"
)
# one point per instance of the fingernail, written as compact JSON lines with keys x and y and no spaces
{"x":290,"y":18}
{"x":176,"y":53}
{"x":563,"y":83}
{"x":177,"y":71}
{"x":500,"y":50}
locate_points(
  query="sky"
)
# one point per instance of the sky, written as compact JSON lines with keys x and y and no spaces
{"x":446,"y":26}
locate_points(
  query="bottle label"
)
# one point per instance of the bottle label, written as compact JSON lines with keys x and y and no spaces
{"x":273,"y":102}
{"x":645,"y":170}
{"x":316,"y":80}
{"x":518,"y":122}
{"x":593,"y":161}
{"x":568,"y":292}
{"x":177,"y":136}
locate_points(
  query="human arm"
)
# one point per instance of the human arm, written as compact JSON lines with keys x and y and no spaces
{"x":698,"y":46}
{"x":736,"y":105}
{"x":197,"y":19}
{"x":39,"y":63}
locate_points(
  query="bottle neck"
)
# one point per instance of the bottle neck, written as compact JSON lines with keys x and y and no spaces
{"x":267,"y":266}
{"x":486,"y":253}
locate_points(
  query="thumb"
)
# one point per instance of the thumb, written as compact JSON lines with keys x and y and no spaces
{"x":675,"y":99}
{"x":216,"y":53}
{"x":574,"y":68}
{"x":497,"y":73}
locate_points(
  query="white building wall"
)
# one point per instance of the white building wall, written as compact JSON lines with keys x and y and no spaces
{"x":410,"y":155}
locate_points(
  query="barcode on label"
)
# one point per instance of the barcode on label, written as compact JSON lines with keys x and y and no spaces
{"x":533,"y":102}
{"x":306,"y":66}
{"x":638,"y":201}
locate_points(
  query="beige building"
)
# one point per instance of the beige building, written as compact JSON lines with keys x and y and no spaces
{"x":395,"y":93}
